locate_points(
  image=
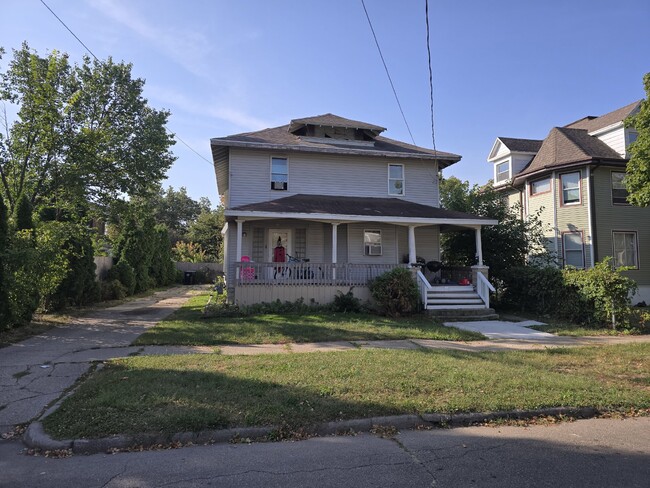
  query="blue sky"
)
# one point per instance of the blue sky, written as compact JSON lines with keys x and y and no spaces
{"x":501,"y":68}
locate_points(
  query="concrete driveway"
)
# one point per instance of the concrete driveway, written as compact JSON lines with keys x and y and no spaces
{"x":35,"y":372}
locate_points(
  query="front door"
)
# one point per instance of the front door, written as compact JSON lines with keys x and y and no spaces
{"x":279,"y":245}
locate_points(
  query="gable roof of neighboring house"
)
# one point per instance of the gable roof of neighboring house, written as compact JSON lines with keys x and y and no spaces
{"x":566,"y":146}
{"x":521,"y":145}
{"x":348,"y":208}
{"x":592,"y":123}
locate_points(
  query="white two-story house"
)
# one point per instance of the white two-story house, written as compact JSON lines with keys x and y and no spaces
{"x":324,"y":204}
{"x":576,"y":178}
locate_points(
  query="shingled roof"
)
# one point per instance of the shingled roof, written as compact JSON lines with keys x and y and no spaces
{"x":281,"y":138}
{"x":354,"y":206}
{"x":521,"y":145}
{"x":592,"y":123}
{"x":565,"y":146}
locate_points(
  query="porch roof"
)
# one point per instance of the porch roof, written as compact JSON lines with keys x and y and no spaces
{"x":356,"y":209}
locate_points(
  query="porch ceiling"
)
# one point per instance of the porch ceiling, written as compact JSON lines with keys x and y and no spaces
{"x":356,"y":209}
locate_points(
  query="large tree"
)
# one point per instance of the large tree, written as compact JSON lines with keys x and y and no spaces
{"x":177,"y":210}
{"x":637,"y":179}
{"x":513,"y":242}
{"x":83,"y":133}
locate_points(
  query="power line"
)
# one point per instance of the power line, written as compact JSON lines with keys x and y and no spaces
{"x":174,"y":135}
{"x":433,"y":130}
{"x":387,"y":72}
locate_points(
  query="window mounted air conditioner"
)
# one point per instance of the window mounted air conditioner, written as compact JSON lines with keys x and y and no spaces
{"x":278,"y":185}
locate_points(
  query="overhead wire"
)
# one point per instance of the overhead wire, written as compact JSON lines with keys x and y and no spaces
{"x":381,"y":55}
{"x":173,"y":134}
{"x":433,"y":129}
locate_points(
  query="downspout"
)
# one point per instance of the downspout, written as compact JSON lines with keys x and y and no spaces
{"x":593,"y":232}
{"x":555,"y":203}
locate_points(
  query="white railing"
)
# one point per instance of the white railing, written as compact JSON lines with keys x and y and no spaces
{"x":423,"y":286}
{"x":483,"y":288}
{"x":307,"y":273}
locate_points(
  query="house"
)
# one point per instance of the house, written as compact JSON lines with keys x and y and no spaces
{"x":575,"y":178}
{"x":324,"y":204}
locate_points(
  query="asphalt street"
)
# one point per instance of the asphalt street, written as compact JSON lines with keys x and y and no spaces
{"x":586,"y":453}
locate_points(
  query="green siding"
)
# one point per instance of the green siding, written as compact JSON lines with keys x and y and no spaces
{"x":573,"y":218}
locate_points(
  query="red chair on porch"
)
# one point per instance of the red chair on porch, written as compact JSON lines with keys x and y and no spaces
{"x":248,"y":273}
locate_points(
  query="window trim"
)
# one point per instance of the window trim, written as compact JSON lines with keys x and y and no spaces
{"x":611,"y":189}
{"x":496,"y":172}
{"x":381,"y":242}
{"x":271,"y":158}
{"x":395,"y":179}
{"x":530,"y":186}
{"x":571,"y":204}
{"x":582,"y":240}
{"x":636,"y":246}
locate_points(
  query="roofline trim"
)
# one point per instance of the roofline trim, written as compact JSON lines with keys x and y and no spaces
{"x":583,"y":162}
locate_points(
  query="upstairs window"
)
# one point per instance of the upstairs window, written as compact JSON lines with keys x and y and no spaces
{"x":632,"y":137}
{"x":503,"y":171}
{"x":625,"y":249}
{"x":570,"y":188}
{"x":619,"y":190}
{"x":573,"y":249}
{"x":279,"y":173}
{"x":540,"y":186}
{"x":372,"y":242}
{"x":396,"y":179}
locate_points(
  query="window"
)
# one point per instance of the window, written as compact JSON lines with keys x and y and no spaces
{"x":372,"y":242}
{"x":632,"y":137}
{"x":570,"y":188}
{"x":279,"y":173}
{"x":619,"y":190}
{"x":625,"y":249}
{"x":503,"y":171}
{"x":396,"y":179}
{"x":540,"y":186}
{"x":573,"y":249}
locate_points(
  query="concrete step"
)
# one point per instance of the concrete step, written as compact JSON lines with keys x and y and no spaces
{"x":454,"y":301}
{"x":432,"y":294}
{"x":457,"y":307}
{"x":446,"y":288}
{"x":462,"y":315}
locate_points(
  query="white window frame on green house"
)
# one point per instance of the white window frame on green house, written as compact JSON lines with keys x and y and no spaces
{"x":279,"y":179}
{"x":498,"y":175}
{"x":619,"y":189}
{"x":573,"y":248}
{"x":372,"y":246}
{"x":396,"y":184}
{"x":535,"y":186}
{"x":625,"y":252}
{"x":567,"y":189}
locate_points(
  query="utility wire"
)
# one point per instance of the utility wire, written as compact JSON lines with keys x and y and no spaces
{"x":387,"y":72}
{"x":174,"y":135}
{"x":433,"y":130}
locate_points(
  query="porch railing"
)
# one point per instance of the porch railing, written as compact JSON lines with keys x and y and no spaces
{"x":316,"y":274}
{"x":423,"y":286}
{"x":483,"y":288}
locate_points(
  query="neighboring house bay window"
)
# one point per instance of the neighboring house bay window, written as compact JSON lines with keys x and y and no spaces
{"x":279,"y":173}
{"x":372,"y":242}
{"x":396,"y":179}
{"x":625,"y":249}
{"x":570,"y":188}
{"x":573,"y":249}
{"x":619,"y":190}
{"x":503,"y":171}
{"x":540,"y":186}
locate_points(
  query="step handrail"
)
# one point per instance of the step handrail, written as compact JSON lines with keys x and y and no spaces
{"x":483,"y":288}
{"x":423,"y":286}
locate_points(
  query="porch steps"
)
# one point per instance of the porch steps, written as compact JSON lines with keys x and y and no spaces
{"x":457,"y":302}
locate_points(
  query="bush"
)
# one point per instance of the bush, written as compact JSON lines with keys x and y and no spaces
{"x":346,"y":302}
{"x":395,"y":292}
{"x":112,"y":290}
{"x":5,"y":312}
{"x":123,"y":273}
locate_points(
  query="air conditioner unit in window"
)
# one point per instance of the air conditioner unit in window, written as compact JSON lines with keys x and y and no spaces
{"x":278,"y":185}
{"x":373,"y":250}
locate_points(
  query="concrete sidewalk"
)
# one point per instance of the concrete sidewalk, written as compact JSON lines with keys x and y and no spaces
{"x":37,"y":371}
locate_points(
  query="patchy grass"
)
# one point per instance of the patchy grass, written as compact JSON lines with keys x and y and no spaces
{"x":17,"y":334}
{"x":189,"y":393}
{"x":187,"y":326}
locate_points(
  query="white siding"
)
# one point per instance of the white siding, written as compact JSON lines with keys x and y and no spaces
{"x":388,"y":243}
{"x":319,"y":174}
{"x":501,"y":151}
{"x":614,"y":139}
{"x":519,"y":162}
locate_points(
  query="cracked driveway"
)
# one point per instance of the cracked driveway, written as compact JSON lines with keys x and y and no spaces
{"x":593,"y":453}
{"x":35,"y":372}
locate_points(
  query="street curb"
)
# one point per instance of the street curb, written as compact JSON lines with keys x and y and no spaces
{"x":36,"y":437}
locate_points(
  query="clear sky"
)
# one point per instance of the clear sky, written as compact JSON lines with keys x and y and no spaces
{"x":501,"y":68}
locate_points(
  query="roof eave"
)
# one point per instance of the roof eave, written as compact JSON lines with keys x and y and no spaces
{"x":520,"y":178}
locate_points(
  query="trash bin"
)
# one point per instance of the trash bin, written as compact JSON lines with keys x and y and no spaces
{"x":188,"y":278}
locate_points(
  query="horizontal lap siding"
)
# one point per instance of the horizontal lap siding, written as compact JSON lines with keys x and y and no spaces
{"x":319,"y":174}
{"x":543,"y":203}
{"x":388,"y":243}
{"x":611,"y":217}
{"x":574,"y":217}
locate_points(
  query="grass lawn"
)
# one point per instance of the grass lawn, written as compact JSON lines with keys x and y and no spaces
{"x":189,"y":393}
{"x":188,"y":327}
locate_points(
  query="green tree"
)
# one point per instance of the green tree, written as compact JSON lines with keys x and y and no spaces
{"x":177,"y":211}
{"x":513,"y":242}
{"x":206,"y":232}
{"x":5,"y":315}
{"x":83,"y":133}
{"x":23,"y":214}
{"x":637,"y":178}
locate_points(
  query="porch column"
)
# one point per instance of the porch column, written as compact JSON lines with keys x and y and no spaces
{"x":412,"y":252}
{"x":479,"y":248}
{"x":335,"y":227}
{"x":240,"y":227}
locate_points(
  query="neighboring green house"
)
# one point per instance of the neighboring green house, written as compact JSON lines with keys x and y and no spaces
{"x":576,"y":176}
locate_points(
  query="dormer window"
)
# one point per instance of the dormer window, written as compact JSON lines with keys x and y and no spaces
{"x":502,"y":171}
{"x":279,"y":173}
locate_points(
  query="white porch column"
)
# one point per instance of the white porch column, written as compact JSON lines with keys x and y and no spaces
{"x":335,"y":227}
{"x":412,"y":252}
{"x":479,"y":248}
{"x":240,"y":228}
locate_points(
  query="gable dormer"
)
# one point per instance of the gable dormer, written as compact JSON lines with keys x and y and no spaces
{"x":510,"y":156}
